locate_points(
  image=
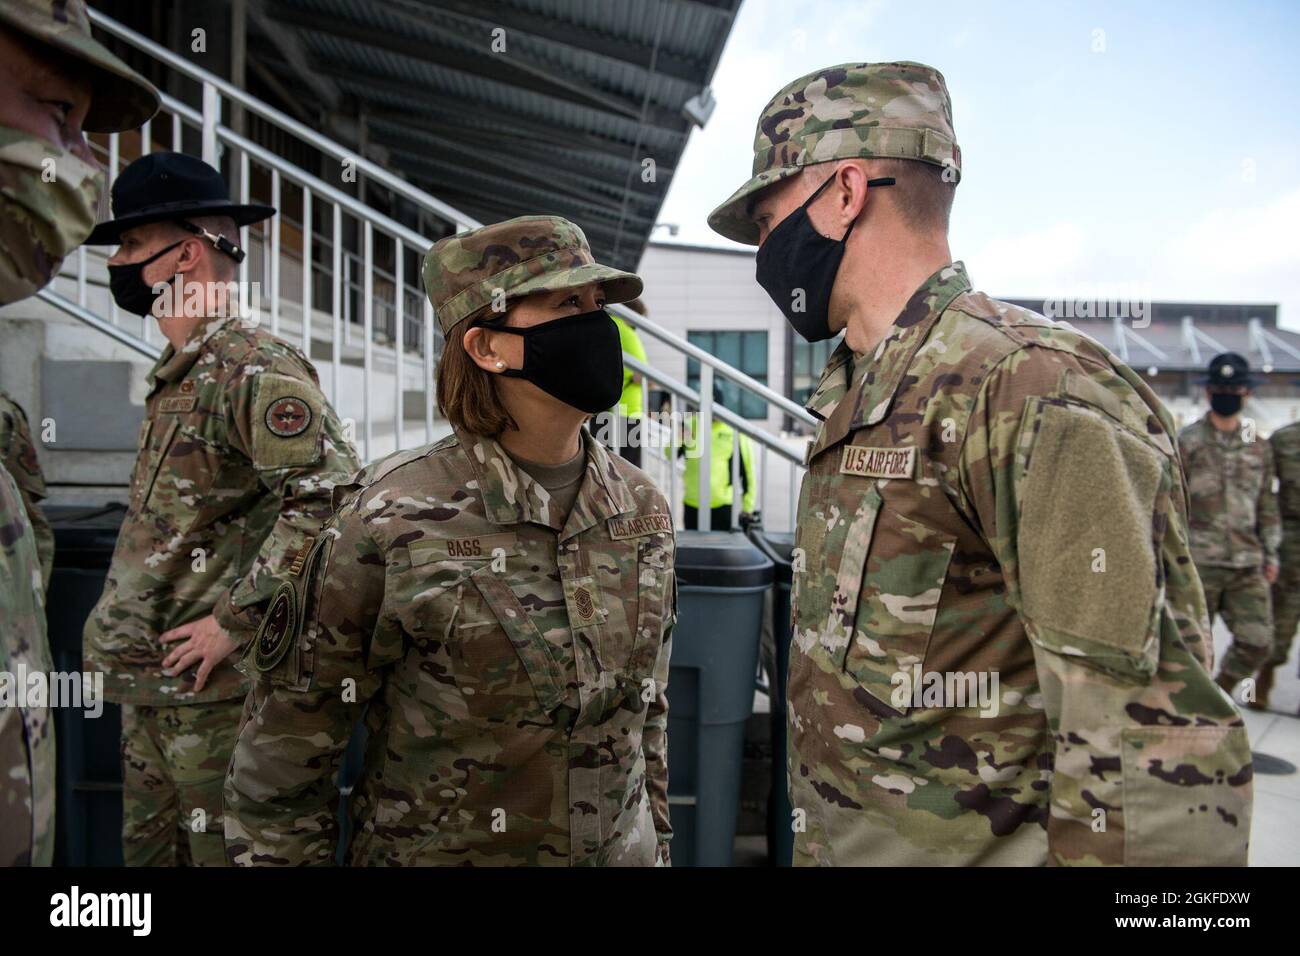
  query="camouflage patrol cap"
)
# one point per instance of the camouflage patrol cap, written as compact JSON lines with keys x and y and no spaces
{"x":463,"y":274}
{"x":121,"y":99}
{"x":854,"y":110}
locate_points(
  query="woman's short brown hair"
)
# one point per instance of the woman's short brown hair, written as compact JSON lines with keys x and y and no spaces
{"x":467,"y":395}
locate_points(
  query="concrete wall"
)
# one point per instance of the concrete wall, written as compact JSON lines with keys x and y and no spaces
{"x":688,"y":289}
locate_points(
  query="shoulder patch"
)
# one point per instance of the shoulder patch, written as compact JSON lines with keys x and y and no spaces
{"x":279,"y":629}
{"x":286,"y":422}
{"x":288,"y":416}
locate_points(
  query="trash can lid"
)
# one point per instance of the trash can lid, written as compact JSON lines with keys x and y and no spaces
{"x":85,"y":536}
{"x":720,"y":559}
{"x":778,"y":546}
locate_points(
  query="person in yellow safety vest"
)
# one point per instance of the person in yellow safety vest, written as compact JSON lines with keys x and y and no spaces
{"x":721,"y":448}
{"x":631,"y":404}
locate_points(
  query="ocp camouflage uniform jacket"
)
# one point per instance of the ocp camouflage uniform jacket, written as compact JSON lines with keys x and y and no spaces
{"x":511,"y":665}
{"x":992,"y":494}
{"x":1234,"y":517}
{"x":26,"y":726}
{"x":18,"y":455}
{"x":1285,"y":446}
{"x":239,"y":454}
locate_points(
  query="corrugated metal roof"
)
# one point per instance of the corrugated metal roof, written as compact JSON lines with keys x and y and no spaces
{"x":559,"y":122}
{"x":1157,"y":338}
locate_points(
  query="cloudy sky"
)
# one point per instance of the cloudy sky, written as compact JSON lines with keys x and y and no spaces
{"x":1146,"y":149}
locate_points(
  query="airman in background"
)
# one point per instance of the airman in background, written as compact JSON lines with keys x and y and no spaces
{"x":1285,"y":443}
{"x":239,"y":455}
{"x":1236,"y":530}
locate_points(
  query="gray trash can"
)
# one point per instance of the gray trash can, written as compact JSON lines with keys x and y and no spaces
{"x":88,"y":799}
{"x":778,"y":547}
{"x":721,"y":580}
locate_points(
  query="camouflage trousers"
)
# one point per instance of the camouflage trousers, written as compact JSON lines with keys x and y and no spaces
{"x":1286,"y":608}
{"x":1240,"y":596}
{"x":174,"y":763}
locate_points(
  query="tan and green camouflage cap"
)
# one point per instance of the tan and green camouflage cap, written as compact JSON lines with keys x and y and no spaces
{"x":463,"y":273}
{"x":854,"y":110}
{"x":122,"y":98}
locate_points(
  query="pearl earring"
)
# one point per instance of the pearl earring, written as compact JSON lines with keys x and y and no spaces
{"x":500,"y":365}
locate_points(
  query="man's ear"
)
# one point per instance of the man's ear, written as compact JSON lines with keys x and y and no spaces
{"x":478,"y":346}
{"x":191,"y":254}
{"x":853,"y":177}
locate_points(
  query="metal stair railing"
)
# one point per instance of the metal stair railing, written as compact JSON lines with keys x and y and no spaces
{"x":375,"y":227}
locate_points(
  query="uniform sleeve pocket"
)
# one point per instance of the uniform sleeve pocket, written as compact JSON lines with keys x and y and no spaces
{"x":1089,"y":534}
{"x":1174,"y":776}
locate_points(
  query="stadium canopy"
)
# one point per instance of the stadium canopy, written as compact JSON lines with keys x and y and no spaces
{"x":576,"y":108}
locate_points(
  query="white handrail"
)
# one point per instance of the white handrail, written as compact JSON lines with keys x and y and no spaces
{"x":282,"y":120}
{"x":213,"y":135}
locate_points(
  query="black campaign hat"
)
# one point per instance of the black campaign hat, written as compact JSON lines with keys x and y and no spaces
{"x":170,"y":187}
{"x":1228,"y":369}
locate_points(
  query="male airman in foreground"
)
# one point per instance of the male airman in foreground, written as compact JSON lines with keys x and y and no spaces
{"x":1000,"y":646}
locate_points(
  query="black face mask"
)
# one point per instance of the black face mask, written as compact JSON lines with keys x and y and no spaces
{"x":577,"y":359}
{"x":1226,"y":403}
{"x":130,"y":291}
{"x":796,"y":258}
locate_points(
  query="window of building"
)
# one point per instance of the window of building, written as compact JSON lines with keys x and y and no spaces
{"x":747,"y":351}
{"x":807,"y":359}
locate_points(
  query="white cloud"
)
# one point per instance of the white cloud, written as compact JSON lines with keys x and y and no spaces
{"x":1030,"y":263}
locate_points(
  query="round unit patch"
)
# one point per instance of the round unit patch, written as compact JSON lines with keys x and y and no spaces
{"x":277,"y":631}
{"x":288,"y":416}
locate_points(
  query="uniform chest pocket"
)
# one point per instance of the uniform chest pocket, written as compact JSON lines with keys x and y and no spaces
{"x":502,"y":663}
{"x":182,"y":469}
{"x":884,"y":572}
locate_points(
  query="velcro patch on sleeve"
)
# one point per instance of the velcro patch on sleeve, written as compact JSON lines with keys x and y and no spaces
{"x":878,"y":462}
{"x":638,"y":525}
{"x":1087,"y":557}
{"x":287,"y":416}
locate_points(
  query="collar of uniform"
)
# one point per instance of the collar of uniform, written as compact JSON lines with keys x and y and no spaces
{"x":834,"y":383}
{"x":1212,"y":434}
{"x":511,"y":496}
{"x":603,"y":494}
{"x":874,"y":378}
{"x":173,"y":364}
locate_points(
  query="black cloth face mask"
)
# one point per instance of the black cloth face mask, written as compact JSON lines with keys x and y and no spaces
{"x":796,"y":258}
{"x":1226,"y":404}
{"x":577,"y":359}
{"x":130,"y":291}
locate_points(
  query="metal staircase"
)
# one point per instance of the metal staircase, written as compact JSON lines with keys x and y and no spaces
{"x":338,"y":275}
